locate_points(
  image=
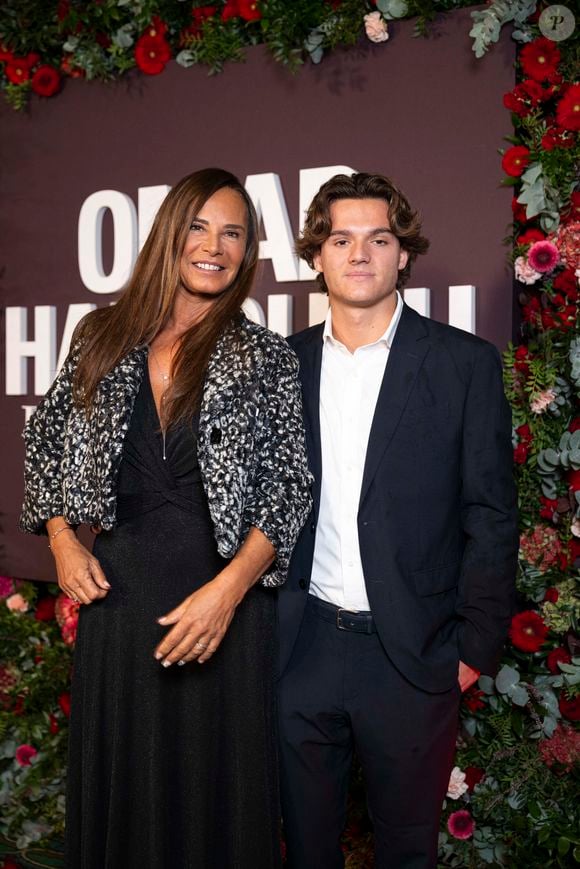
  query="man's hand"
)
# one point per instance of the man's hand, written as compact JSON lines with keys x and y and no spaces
{"x":467,"y":676}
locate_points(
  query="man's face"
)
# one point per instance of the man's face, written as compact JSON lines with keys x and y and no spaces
{"x":361,"y":258}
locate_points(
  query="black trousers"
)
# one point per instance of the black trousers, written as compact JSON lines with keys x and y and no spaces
{"x":339,"y":692}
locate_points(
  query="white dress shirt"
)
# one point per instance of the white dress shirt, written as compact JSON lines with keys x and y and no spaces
{"x":349,"y":389}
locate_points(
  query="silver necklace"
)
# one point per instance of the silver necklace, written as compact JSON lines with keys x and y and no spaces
{"x":166,"y":378}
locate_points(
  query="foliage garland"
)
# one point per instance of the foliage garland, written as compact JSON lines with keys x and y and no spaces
{"x":40,"y":48}
{"x":512,"y":798}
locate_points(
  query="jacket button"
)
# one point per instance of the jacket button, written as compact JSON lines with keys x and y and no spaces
{"x":302,"y":583}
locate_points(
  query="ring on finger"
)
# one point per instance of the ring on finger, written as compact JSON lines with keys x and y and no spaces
{"x":201,"y":645}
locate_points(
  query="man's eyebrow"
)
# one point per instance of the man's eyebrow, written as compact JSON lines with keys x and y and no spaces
{"x":379,"y":230}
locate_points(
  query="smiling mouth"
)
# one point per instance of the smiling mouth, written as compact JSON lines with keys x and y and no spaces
{"x":209,"y":267}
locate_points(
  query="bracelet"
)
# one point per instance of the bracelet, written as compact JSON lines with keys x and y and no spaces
{"x":56,"y":533}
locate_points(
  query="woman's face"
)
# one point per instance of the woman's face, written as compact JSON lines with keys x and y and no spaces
{"x":215,"y":246}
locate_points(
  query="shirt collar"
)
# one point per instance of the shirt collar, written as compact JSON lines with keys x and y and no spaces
{"x":386,"y":338}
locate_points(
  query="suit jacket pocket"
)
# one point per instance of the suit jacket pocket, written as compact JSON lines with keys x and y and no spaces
{"x":436,"y":580}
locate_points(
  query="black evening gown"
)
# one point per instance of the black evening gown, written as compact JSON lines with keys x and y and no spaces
{"x":169,"y":768}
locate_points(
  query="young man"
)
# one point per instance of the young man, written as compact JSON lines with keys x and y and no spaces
{"x":400,"y":589}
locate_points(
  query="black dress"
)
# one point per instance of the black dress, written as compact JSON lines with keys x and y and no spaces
{"x":169,"y":768}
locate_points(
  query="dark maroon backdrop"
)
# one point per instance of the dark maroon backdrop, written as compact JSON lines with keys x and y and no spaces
{"x":424,"y":111}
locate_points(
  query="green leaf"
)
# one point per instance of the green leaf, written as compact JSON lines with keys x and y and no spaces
{"x":506,"y":679}
{"x":563,"y":845}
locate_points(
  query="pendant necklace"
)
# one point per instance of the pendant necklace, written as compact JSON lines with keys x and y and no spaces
{"x":166,"y":379}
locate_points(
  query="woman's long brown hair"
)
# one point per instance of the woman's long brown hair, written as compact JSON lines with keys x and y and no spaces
{"x":143,"y":310}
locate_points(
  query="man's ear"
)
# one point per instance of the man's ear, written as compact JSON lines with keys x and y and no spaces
{"x":316,"y":262}
{"x":403,"y":259}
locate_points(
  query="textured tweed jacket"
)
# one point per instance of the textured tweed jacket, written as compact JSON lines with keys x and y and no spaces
{"x":250,"y":445}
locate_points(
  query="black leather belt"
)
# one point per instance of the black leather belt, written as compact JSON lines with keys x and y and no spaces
{"x":343,"y":619}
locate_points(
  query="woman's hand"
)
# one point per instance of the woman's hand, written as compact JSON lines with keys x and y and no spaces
{"x":199,"y":622}
{"x":79,"y":573}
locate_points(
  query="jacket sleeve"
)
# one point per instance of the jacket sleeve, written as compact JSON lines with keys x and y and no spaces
{"x":279,"y":502}
{"x":489,"y":517}
{"x":44,"y":439}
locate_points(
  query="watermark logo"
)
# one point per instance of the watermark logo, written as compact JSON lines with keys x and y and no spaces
{"x":557,"y":23}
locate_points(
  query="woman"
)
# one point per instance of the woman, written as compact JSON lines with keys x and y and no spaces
{"x":174,"y":428}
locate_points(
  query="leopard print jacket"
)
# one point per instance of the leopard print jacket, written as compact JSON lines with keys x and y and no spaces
{"x":251,"y":445}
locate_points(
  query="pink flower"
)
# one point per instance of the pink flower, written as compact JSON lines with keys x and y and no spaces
{"x":376,"y":27}
{"x":562,"y":749}
{"x":575,"y":528}
{"x":461,"y":825}
{"x":67,"y":616}
{"x":17,"y":603}
{"x":568,"y":243}
{"x":6,"y":586}
{"x":542,"y":401}
{"x":543,"y":256}
{"x":524,"y":272}
{"x":24,"y":754}
{"x":541,"y":547}
{"x":457,"y":786}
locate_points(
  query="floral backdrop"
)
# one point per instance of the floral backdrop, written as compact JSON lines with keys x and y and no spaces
{"x":513,"y":794}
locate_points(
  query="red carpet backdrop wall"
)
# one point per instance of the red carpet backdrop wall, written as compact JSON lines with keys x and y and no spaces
{"x":81,"y":177}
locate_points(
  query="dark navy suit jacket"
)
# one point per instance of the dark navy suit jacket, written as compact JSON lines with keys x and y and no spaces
{"x":437,"y":518}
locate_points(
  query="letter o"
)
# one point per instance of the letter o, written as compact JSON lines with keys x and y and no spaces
{"x":90,"y":247}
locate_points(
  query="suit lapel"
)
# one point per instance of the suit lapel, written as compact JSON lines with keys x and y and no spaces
{"x":405,"y":359}
{"x":310,"y":355}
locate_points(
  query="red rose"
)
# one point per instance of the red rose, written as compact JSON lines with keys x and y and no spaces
{"x":230,"y":10}
{"x":152,"y":54}
{"x":473,"y":776}
{"x":530,"y":236}
{"x":574,"y":213}
{"x":17,"y":70}
{"x":549,"y":507}
{"x":552,"y":595}
{"x":520,"y":454}
{"x":52,"y":724}
{"x":45,"y":81}
{"x":570,"y":707}
{"x":472,"y":699}
{"x":519,"y":211}
{"x":249,"y":10}
{"x":540,"y":58}
{"x":45,"y":609}
{"x":565,"y":282}
{"x":574,"y":549}
{"x":556,"y":656}
{"x":515,"y":160}
{"x":573,"y":478}
{"x":574,"y":425}
{"x":524,"y":433}
{"x":568,"y":109}
{"x":528,"y":631}
{"x":156,"y":28}
{"x":62,"y":9}
{"x":553,"y":138}
{"x":199,"y":15}
{"x":24,"y":754}
{"x":64,"y":703}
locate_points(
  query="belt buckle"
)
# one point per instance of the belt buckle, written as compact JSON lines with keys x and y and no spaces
{"x":338,"y":615}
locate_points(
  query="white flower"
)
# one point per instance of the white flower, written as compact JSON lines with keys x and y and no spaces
{"x":376,"y":27}
{"x":456,"y":787}
{"x":524,"y":272}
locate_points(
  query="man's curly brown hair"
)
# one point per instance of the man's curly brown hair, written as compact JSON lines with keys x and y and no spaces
{"x":404,"y":222}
